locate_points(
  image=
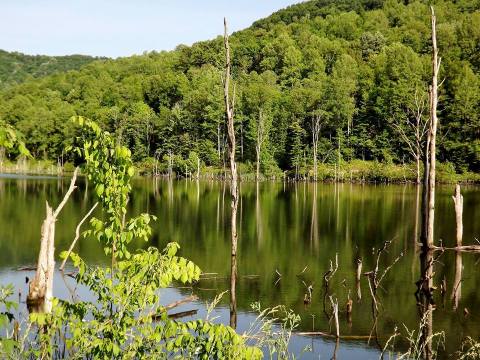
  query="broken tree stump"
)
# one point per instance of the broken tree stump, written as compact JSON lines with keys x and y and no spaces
{"x":458,"y":200}
{"x":40,"y":289}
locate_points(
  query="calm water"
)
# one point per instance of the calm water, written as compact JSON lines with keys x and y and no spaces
{"x":293,"y":229}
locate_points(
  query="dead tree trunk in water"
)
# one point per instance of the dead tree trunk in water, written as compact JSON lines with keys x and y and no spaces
{"x":433,"y":133}
{"x":428,"y":205}
{"x":428,"y":198}
{"x":418,"y":125}
{"x":458,"y":200}
{"x":229,"y":110}
{"x":40,"y":290}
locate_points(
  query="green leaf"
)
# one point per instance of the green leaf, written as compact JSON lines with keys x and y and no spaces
{"x":99,"y":189}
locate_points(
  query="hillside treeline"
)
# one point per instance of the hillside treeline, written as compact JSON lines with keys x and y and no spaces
{"x":354,"y":72}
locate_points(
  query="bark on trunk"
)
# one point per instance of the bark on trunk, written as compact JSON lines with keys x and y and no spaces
{"x":257,"y":173}
{"x":458,"y":200}
{"x":40,"y":289}
{"x":418,"y":181}
{"x":229,"y":110}
{"x":433,"y":133}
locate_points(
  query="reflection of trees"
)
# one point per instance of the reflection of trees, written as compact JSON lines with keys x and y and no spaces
{"x":258,"y":216}
{"x":314,"y":221}
{"x":287,"y":237}
{"x":425,"y":301}
{"x":457,"y":283}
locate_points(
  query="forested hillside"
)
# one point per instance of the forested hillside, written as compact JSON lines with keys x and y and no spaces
{"x":17,"y":67}
{"x":355,"y":73}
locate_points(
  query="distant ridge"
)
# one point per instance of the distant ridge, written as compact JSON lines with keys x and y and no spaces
{"x":16,"y":67}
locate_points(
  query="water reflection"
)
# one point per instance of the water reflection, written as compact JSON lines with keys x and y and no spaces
{"x":457,"y":283}
{"x":426,"y":302}
{"x":286,"y":228}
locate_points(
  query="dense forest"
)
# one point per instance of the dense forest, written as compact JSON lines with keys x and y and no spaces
{"x":332,"y":80}
{"x":16,"y":67}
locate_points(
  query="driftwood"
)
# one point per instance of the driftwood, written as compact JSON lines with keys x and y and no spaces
{"x":463,"y":248}
{"x":177,"y":315}
{"x":174,"y":305}
{"x":328,"y":335}
{"x":27,"y":268}
{"x":40,"y":291}
{"x":182,"y":314}
{"x":180,"y":302}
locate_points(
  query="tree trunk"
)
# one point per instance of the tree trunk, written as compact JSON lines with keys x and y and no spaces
{"x":218,"y":141}
{"x":257,"y":173}
{"x":458,"y":200}
{"x":40,"y":289}
{"x":417,"y":158}
{"x":229,"y":110}
{"x":198,"y":167}
{"x":433,"y":133}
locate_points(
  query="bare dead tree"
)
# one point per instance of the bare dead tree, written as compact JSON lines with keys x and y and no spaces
{"x":230,"y":111}
{"x":375,"y":278}
{"x":259,"y":141}
{"x":433,"y":133}
{"x":40,"y":291}
{"x":458,"y":200}
{"x":316,"y":127}
{"x":334,"y":304}
{"x":418,"y":125}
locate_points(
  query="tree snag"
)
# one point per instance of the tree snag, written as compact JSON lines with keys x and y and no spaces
{"x":316,"y":126}
{"x":458,"y":200}
{"x":229,"y":112}
{"x":433,"y":132}
{"x":40,"y":291}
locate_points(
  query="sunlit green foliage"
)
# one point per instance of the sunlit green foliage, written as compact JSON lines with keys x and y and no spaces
{"x":358,"y":63}
{"x":109,"y":167}
{"x":125,"y":319}
{"x":11,"y":141}
{"x":16,"y":67}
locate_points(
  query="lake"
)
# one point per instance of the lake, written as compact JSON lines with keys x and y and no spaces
{"x":288,"y":235}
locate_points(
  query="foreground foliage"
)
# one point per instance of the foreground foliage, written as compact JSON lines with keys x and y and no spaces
{"x":124,"y":319}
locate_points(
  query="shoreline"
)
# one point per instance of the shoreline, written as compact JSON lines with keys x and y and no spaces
{"x":355,"y":172}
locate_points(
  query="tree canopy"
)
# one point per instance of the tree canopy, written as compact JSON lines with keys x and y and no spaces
{"x":356,"y":64}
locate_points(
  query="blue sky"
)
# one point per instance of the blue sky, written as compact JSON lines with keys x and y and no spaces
{"x":121,"y":27}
